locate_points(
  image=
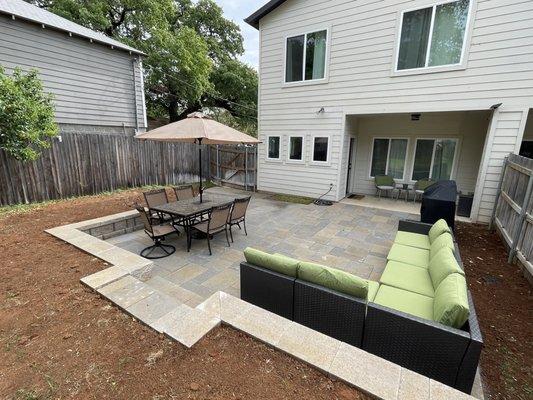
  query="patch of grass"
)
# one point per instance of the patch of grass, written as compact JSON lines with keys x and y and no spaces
{"x":25,"y":394}
{"x":292,"y":199}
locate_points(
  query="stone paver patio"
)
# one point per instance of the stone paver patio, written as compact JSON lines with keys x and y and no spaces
{"x":351,"y":238}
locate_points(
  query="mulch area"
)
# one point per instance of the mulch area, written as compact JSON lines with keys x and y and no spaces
{"x":504,"y":305}
{"x":59,"y":339}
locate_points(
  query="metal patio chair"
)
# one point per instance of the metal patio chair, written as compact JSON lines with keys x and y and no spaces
{"x":216,"y":222}
{"x":384,"y":182}
{"x":238,"y":215}
{"x":184,"y":192}
{"x":154,"y":198}
{"x":157,"y":233}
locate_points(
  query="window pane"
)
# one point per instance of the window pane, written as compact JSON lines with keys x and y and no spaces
{"x":414,"y":38}
{"x":448,"y":33}
{"x":295,"y":152}
{"x":443,"y":162}
{"x":295,"y":59}
{"x":379,"y":157}
{"x":398,"y":151}
{"x":320,"y":150}
{"x":315,"y":58}
{"x":423,"y":155}
{"x":273,"y":147}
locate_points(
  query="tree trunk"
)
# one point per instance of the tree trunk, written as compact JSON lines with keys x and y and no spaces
{"x":173,"y":113}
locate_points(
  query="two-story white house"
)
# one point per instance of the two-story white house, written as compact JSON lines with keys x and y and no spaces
{"x":350,"y":89}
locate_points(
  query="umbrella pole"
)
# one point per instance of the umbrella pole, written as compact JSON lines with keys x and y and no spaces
{"x":201,"y":190}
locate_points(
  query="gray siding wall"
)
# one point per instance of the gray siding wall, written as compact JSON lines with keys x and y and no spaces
{"x":93,"y":84}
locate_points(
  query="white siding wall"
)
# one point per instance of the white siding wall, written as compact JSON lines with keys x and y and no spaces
{"x":499,"y":69}
{"x":92,"y":84}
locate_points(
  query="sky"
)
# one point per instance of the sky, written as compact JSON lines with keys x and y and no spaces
{"x":237,"y":10}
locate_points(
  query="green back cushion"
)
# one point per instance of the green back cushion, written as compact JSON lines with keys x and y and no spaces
{"x":384,"y":180}
{"x":442,"y":265}
{"x":275,"y":262}
{"x":450,"y":306}
{"x":438,"y":229}
{"x":444,"y":240}
{"x":334,"y":279}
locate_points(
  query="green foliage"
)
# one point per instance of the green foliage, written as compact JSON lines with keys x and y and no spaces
{"x":26,"y":115}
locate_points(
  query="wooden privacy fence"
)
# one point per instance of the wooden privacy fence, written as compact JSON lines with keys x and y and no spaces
{"x":234,"y":165}
{"x":513,"y":213}
{"x":81,"y":164}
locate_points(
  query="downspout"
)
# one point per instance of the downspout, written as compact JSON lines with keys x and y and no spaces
{"x":133,"y":62}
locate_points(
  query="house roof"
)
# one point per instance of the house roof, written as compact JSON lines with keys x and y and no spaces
{"x":267,"y":8}
{"x":29,"y":12}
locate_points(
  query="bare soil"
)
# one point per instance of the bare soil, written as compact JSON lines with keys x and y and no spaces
{"x":504,"y":305}
{"x":61,"y":340}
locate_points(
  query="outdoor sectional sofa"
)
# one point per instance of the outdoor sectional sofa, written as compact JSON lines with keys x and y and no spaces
{"x":420,"y":315}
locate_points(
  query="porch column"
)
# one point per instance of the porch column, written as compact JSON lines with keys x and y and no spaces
{"x":504,"y":136}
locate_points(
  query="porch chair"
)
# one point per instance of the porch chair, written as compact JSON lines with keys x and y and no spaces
{"x":238,"y":214}
{"x":154,"y":198}
{"x":420,"y":187}
{"x":157,"y":233}
{"x":384,"y":182}
{"x":184,"y":192}
{"x":216,"y":222}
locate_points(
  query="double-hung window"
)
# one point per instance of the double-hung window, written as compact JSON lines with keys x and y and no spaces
{"x":434,"y":158}
{"x":433,"y":36}
{"x":388,"y":157}
{"x":305,"y":58}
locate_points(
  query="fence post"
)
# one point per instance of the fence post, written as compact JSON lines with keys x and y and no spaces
{"x":521,"y":218}
{"x":218,"y":162}
{"x":491,"y":223}
{"x":246,"y":167}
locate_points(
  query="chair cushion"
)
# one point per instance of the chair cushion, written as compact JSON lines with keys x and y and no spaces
{"x":385,"y":187}
{"x":405,"y":301}
{"x":334,"y":279}
{"x":442,"y":265}
{"x":450,"y":306}
{"x":407,"y":277}
{"x":373,"y":287}
{"x":444,"y":240}
{"x":438,"y":229}
{"x":409,"y":255}
{"x":412,"y":239}
{"x":384,"y":181}
{"x":278,"y":263}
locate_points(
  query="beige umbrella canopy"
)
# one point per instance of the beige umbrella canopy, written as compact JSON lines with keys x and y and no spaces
{"x":200,"y":129}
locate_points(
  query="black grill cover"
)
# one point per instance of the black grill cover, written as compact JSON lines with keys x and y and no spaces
{"x":439,"y":202}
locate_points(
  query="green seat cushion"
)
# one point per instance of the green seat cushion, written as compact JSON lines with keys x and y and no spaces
{"x":450,"y":306}
{"x":275,"y":262}
{"x":412,"y":239}
{"x":334,"y":279}
{"x":373,"y":287}
{"x":407,"y":277}
{"x":409,"y":255}
{"x":444,"y":240}
{"x":403,"y":300}
{"x":443,"y":264}
{"x":438,"y":229}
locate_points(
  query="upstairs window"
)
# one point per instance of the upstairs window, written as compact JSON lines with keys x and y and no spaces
{"x":433,"y":36}
{"x":305,"y":59}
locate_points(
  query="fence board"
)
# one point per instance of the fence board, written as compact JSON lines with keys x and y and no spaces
{"x":83,"y":164}
{"x":234,"y":164}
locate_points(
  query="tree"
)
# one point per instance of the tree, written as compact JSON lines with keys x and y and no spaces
{"x":26,"y":115}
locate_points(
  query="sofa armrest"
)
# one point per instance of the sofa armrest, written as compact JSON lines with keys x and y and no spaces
{"x":335,"y":314}
{"x":267,"y":289}
{"x":421,"y":345}
{"x":409,"y":225}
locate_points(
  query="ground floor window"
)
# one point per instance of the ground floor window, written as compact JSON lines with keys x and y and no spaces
{"x":526,"y":149}
{"x":434,"y":158}
{"x":296,"y":145}
{"x":320,"y":148}
{"x":388,"y":157}
{"x":273,"y":147}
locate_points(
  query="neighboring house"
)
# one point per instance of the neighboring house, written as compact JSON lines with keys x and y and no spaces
{"x":351,"y":89}
{"x":97,"y":81}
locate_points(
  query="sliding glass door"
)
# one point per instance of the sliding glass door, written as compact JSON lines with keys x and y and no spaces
{"x":434,"y":158}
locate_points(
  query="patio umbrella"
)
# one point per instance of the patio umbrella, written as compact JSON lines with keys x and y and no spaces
{"x":200,"y":129}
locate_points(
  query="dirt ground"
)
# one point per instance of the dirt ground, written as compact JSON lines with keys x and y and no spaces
{"x":61,"y":340}
{"x":504,"y":305}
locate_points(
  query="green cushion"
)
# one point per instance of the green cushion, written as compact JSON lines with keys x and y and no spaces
{"x":275,"y":262}
{"x":334,"y":279}
{"x":444,"y":240}
{"x":407,"y":277}
{"x":373,"y":287}
{"x":442,"y":265}
{"x":450,"y":306}
{"x":438,"y":229}
{"x":409,"y":255}
{"x":412,"y":239}
{"x":403,"y":300}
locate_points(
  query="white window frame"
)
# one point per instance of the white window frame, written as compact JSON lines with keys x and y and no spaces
{"x":325,"y":79}
{"x":402,"y":179}
{"x":268,"y":148}
{"x":328,"y":153}
{"x":289,"y":159}
{"x":437,"y":68}
{"x":454,"y":163}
